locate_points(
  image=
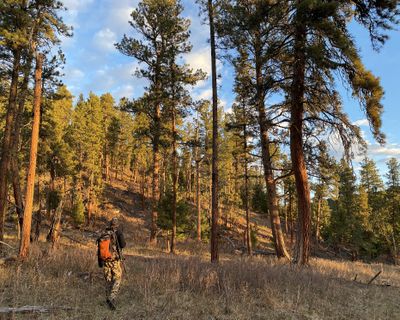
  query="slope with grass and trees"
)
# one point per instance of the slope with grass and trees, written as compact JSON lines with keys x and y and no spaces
{"x":229,"y":212}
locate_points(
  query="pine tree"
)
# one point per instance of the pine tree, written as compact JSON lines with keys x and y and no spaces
{"x":30,"y":184}
{"x":157,"y":23}
{"x":251,"y":30}
{"x":322,"y":46}
{"x":23,"y":30}
{"x":87,"y":139}
{"x":393,"y":200}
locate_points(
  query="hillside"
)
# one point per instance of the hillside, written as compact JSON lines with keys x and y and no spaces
{"x":158,"y":285}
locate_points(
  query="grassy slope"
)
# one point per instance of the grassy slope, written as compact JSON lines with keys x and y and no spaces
{"x":186,"y":286}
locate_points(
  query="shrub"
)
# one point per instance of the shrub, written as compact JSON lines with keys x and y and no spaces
{"x":184,"y":212}
{"x":78,"y":211}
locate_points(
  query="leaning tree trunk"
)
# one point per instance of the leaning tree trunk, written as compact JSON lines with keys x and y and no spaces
{"x":302,"y":251}
{"x":174,"y":183}
{"x":279,"y":242}
{"x":7,"y":139}
{"x":214,"y":196}
{"x":30,"y":185}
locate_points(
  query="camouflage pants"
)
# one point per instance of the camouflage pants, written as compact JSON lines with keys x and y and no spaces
{"x":113,"y":276}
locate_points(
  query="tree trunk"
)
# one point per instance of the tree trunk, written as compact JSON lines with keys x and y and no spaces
{"x":55,"y":228}
{"x":291,"y":217}
{"x":19,"y":204}
{"x":279,"y":242}
{"x":15,"y":140}
{"x":25,"y":238}
{"x":174,"y":183}
{"x":317,"y":220}
{"x":107,"y":167}
{"x":198,"y":207}
{"x":142,"y":188}
{"x":6,"y":145}
{"x":302,"y":251}
{"x":156,"y":178}
{"x":286,"y":217}
{"x":214,"y":201}
{"x":246,"y":190}
{"x":38,"y":215}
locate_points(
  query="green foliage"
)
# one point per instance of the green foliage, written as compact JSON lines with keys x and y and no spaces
{"x":184,"y":214}
{"x":53,"y":200}
{"x":259,"y":201}
{"x":253,"y":236}
{"x":78,"y":211}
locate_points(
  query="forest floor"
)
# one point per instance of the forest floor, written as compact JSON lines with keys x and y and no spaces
{"x":157,"y":285}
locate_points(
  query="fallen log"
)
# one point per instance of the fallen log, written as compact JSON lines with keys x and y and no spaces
{"x":32,"y":309}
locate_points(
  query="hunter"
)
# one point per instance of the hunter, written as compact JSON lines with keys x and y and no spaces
{"x":110,"y":245}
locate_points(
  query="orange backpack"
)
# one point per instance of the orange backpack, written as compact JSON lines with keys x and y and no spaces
{"x":105,"y":246}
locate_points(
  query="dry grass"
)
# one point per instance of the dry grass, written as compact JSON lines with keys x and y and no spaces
{"x":186,"y":286}
{"x":161,"y":286}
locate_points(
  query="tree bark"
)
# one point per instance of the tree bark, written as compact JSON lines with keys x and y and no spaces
{"x":156,"y":175}
{"x":6,"y":144}
{"x":317,"y":220}
{"x":55,"y":228}
{"x":19,"y":204}
{"x":15,"y":140}
{"x":302,"y":251}
{"x":198,"y":206}
{"x":246,"y":190}
{"x":174,"y":183}
{"x":25,"y":238}
{"x":215,"y":193}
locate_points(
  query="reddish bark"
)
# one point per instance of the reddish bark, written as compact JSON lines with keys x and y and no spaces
{"x":302,"y":251}
{"x":30,"y":185}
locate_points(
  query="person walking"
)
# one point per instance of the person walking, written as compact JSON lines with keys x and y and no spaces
{"x":110,"y":245}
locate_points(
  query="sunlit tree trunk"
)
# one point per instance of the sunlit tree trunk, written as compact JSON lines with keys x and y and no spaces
{"x":30,"y":185}
{"x":302,"y":251}
{"x":273,"y":208}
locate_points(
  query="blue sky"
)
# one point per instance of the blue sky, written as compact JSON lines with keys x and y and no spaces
{"x":93,"y":64}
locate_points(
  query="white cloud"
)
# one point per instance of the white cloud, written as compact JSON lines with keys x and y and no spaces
{"x":116,"y":79}
{"x":74,"y":74}
{"x":205,"y":94}
{"x":74,"y":7}
{"x":105,"y":39}
{"x":229,"y":111}
{"x":125,"y":91}
{"x":361,"y":123}
{"x":200,"y":59}
{"x":390,"y":150}
{"x":118,"y":18}
{"x":223,"y":104}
